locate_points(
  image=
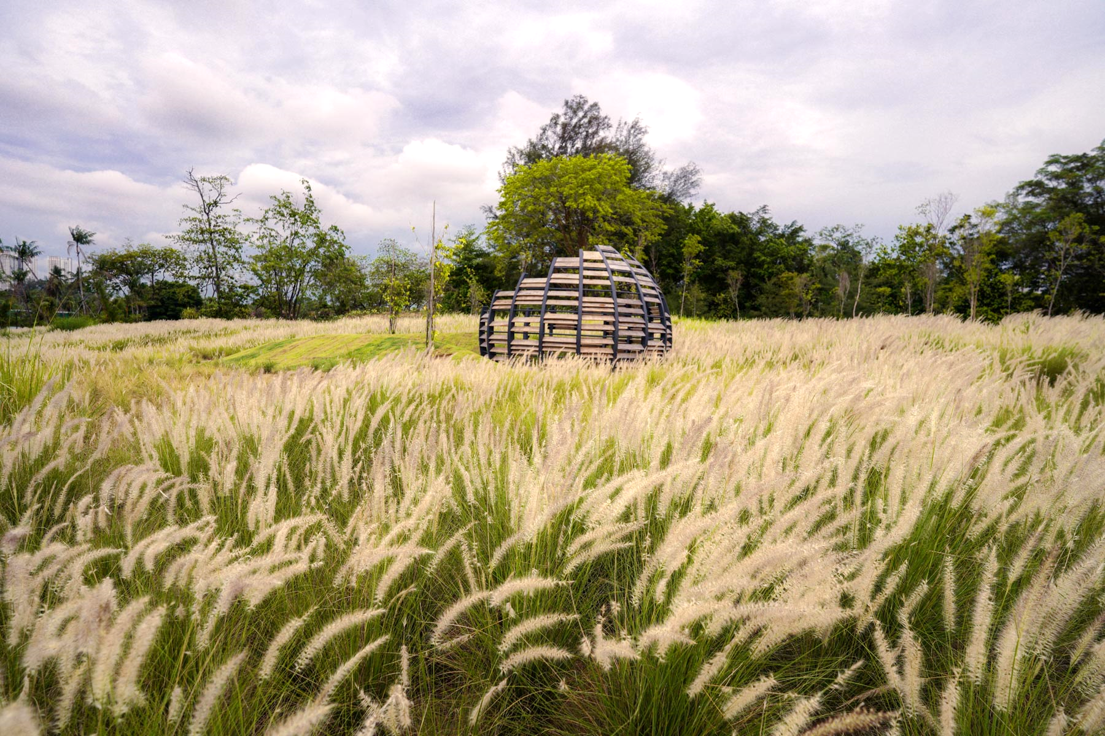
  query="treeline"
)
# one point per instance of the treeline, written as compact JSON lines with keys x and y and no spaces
{"x":283,"y":262}
{"x":580,"y":181}
{"x":583,"y":180}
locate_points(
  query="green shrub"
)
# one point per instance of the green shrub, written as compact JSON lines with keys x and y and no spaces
{"x":75,"y":322}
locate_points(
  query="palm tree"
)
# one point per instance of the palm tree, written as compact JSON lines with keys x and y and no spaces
{"x":26,"y":251}
{"x":79,"y":239}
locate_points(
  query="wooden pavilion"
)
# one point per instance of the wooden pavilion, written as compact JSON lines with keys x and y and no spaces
{"x":599,"y":304}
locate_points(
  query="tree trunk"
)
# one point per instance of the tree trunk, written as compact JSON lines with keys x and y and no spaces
{"x":859,"y":288}
{"x":80,"y":283}
{"x":430,"y":299}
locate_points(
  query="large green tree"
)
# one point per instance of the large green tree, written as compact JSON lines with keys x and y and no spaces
{"x":1032,"y":214}
{"x":582,"y":129}
{"x":293,"y":246}
{"x":211,"y":236}
{"x":562,"y":205}
{"x":131,"y":272}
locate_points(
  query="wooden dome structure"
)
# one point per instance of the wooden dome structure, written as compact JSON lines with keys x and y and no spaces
{"x":599,"y":304}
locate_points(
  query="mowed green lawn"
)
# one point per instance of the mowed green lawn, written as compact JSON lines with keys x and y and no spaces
{"x":326,"y":351}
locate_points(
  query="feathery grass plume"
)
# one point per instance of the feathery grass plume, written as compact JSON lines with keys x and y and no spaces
{"x":72,"y":682}
{"x":861,"y":720}
{"x":593,"y":552}
{"x":1092,"y":671}
{"x":1091,"y":718}
{"x":797,"y":717}
{"x":395,"y":713}
{"x":332,"y":630}
{"x":154,"y":545}
{"x":1017,"y":637}
{"x":912,"y":667}
{"x":949,"y":591}
{"x":521,"y":586}
{"x":605,"y":651}
{"x":404,"y":666}
{"x":1086,"y":639}
{"x":1064,"y":596}
{"x":978,"y":643}
{"x":527,"y":626}
{"x":176,"y":705}
{"x":212,"y":693}
{"x":127,"y":694}
{"x":710,"y":669}
{"x":533,"y":654}
{"x":107,"y":659}
{"x":75,"y":569}
{"x":454,"y":612}
{"x":746,"y":697}
{"x":371,"y":720}
{"x":398,"y":566}
{"x":1057,"y":726}
{"x":443,"y":551}
{"x":888,"y":658}
{"x":469,"y":561}
{"x":480,"y":707}
{"x":874,"y":603}
{"x":347,"y":667}
{"x":949,"y":703}
{"x":19,"y":718}
{"x":845,"y":676}
{"x":504,"y":547}
{"x":303,"y":722}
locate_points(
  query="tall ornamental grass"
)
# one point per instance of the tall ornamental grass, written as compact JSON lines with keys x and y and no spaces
{"x":883,"y":525}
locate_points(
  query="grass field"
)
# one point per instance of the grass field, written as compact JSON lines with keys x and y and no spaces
{"x":326,"y":351}
{"x":886,"y":525}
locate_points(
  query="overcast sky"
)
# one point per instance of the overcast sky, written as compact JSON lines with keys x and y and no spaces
{"x":844,"y":111}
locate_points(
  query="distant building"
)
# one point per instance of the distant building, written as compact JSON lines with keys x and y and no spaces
{"x":9,"y":264}
{"x":37,"y":268}
{"x":67,"y":265}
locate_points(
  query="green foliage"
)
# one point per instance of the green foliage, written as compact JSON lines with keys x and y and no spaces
{"x":1065,"y":186}
{"x":581,"y":129}
{"x":132,"y":273}
{"x":692,"y":247}
{"x":562,"y":205}
{"x":68,"y":324}
{"x":472,"y":279}
{"x":293,"y":248}
{"x":212,"y":239}
{"x":171,"y":299}
{"x":397,"y":277}
{"x":341,"y":285}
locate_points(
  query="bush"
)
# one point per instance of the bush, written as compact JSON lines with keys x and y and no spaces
{"x":190,"y":313}
{"x":74,"y":322}
{"x":170,"y":299}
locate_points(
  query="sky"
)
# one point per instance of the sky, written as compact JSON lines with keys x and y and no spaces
{"x":845,"y":111}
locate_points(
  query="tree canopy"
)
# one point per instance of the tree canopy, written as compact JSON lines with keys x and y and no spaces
{"x":559,"y":206}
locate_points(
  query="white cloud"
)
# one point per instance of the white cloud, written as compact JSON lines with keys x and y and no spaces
{"x":669,"y":106}
{"x":42,"y":202}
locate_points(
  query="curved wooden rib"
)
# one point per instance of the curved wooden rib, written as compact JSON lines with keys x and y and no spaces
{"x":599,"y":304}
